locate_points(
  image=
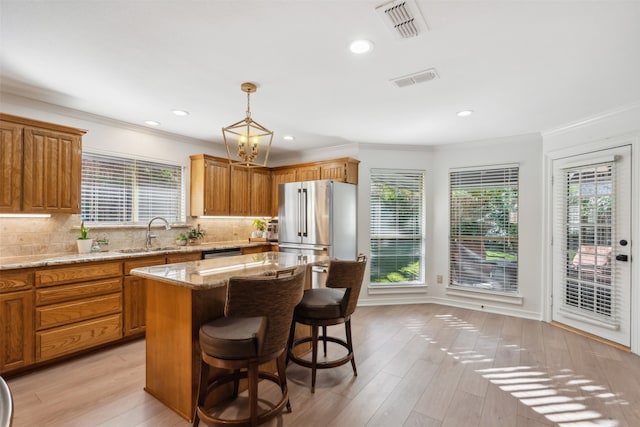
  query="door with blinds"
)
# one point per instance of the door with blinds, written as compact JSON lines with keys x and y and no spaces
{"x":591,"y":243}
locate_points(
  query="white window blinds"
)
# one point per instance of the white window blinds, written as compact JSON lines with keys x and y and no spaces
{"x":118,"y":190}
{"x":484,"y":228}
{"x":396,"y":227}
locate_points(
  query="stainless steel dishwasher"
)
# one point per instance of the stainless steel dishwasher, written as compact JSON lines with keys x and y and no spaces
{"x":221,"y":253}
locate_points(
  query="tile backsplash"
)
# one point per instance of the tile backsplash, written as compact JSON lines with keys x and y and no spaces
{"x":58,"y":234}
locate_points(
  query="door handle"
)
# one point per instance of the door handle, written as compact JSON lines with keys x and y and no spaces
{"x":624,"y":258}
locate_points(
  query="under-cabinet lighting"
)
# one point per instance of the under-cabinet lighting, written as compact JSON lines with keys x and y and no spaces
{"x":25,"y":215}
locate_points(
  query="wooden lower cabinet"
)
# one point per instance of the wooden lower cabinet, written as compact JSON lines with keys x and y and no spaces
{"x":16,"y":333}
{"x":77,"y":336}
{"x":134,"y":306}
{"x":256,"y":249}
{"x":77,"y":307}
{"x":134,"y":295}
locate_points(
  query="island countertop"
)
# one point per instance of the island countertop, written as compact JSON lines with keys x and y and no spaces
{"x":215,"y":272}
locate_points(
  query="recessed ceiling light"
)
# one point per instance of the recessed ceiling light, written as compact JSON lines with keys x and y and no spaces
{"x":361,"y":46}
{"x":152,"y":123}
{"x":288,"y":138}
{"x":180,"y":112}
{"x":464,"y":113}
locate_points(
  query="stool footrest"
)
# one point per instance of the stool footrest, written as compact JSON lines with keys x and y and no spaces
{"x":320,"y":365}
{"x":219,"y":381}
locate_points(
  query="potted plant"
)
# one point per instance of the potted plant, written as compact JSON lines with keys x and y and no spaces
{"x":195,"y":234}
{"x":181,"y":239}
{"x":261,"y":228}
{"x":84,"y":242}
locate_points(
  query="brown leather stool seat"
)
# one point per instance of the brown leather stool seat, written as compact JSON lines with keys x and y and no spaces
{"x":322,"y":307}
{"x":254,"y":330}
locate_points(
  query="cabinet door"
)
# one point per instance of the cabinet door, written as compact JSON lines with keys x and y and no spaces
{"x":16,"y":334}
{"x":134,"y":305}
{"x":216,"y":188}
{"x":239,"y":191}
{"x":308,"y":173}
{"x":280,"y":176}
{"x":335,"y":171}
{"x":52,"y":171}
{"x":10,"y":167}
{"x":260,"y":192}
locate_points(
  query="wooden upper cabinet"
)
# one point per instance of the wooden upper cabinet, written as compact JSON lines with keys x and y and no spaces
{"x":10,"y":167}
{"x":218,"y":188}
{"x":280,"y":176}
{"x":260,"y":191}
{"x":239,"y":191}
{"x":210,"y":180}
{"x":52,"y":171}
{"x":41,"y":166}
{"x":308,"y":172}
{"x":343,"y":170}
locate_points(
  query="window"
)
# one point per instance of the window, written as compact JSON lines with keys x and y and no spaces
{"x":483,"y":240}
{"x":397,"y":224}
{"x":118,"y":190}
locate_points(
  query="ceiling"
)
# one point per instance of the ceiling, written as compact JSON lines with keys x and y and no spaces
{"x":522,"y":66}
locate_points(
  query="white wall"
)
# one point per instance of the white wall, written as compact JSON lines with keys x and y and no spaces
{"x":526,"y":151}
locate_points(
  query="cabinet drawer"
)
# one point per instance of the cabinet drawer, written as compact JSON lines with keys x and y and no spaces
{"x":69,"y":312}
{"x":189,"y":256}
{"x":69,"y":339}
{"x":15,"y":280}
{"x":58,"y":294}
{"x":143,"y":262}
{"x":77,"y":273}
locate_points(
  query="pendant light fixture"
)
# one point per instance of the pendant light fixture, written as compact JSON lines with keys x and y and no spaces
{"x":253,"y":141}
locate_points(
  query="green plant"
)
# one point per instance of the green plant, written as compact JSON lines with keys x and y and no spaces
{"x":182,"y":236}
{"x":84,"y":232}
{"x":196,"y":233}
{"x":260,"y":224}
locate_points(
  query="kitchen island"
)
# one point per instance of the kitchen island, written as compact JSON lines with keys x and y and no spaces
{"x":180,"y":298}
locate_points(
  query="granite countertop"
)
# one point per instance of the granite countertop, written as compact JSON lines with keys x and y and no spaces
{"x":215,"y":272}
{"x":8,"y":263}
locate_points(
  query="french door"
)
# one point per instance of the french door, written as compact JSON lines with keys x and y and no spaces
{"x":591,"y":243}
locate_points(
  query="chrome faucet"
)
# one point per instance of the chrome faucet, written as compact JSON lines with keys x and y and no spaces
{"x":152,"y":236}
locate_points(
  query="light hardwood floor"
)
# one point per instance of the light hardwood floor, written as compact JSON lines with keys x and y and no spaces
{"x":418,"y":365}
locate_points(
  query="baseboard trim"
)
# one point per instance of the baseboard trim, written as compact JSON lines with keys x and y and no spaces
{"x":591,"y":336}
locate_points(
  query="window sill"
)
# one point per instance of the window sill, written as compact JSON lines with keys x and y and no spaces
{"x":494,"y":296}
{"x":396,"y":289}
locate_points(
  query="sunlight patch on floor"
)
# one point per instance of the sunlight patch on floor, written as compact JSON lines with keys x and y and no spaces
{"x":534,"y":387}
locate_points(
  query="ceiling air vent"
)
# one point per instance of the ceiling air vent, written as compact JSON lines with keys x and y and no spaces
{"x":403,"y":18}
{"x":419,"y":77}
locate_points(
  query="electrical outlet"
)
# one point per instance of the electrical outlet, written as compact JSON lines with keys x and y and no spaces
{"x":439,"y":278}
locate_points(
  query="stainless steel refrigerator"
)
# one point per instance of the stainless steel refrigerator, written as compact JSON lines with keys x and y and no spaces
{"x":317,"y":218}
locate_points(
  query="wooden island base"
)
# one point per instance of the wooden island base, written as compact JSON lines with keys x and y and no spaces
{"x":174,"y":315}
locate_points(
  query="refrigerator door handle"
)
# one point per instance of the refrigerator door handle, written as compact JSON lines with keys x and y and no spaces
{"x":299,"y":211}
{"x":305,"y":216}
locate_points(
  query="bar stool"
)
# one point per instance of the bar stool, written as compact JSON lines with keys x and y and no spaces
{"x":254,"y":330}
{"x":322,"y":307}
